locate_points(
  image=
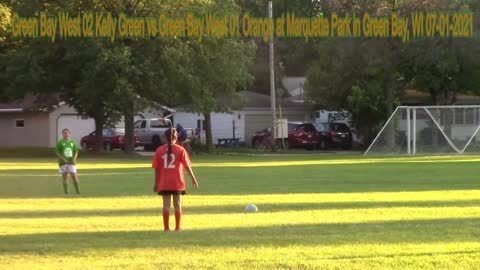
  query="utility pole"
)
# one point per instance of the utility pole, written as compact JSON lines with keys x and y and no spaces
{"x":272,"y":76}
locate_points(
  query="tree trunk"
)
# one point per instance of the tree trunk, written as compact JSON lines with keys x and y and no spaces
{"x":390,"y":67}
{"x":208,"y":131}
{"x":389,"y":83}
{"x":389,"y":91}
{"x":99,"y":123}
{"x":129,"y":143}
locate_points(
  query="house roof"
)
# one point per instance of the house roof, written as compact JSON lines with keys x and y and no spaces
{"x":29,"y":102}
{"x":19,"y":105}
{"x":43,"y":103}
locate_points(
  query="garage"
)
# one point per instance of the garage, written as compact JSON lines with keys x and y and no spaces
{"x":79,"y":127}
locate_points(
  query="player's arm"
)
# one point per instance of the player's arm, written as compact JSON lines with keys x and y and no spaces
{"x":187,"y":163}
{"x":61,"y":157}
{"x":194,"y":179}
{"x":155,"y":180}
{"x":157,"y":171}
{"x":75,"y":156}
{"x":75,"y":151}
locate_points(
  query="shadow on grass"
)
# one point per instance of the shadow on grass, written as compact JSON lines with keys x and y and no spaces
{"x":239,"y":208}
{"x":391,"y":232}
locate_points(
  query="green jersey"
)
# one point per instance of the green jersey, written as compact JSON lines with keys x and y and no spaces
{"x":67,"y":149}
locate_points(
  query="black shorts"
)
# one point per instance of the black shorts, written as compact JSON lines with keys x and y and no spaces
{"x":171,"y":192}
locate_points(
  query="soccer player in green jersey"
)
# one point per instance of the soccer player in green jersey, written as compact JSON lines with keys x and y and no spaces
{"x":67,"y":153}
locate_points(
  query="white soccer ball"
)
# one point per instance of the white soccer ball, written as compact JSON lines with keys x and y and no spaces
{"x":251,"y":208}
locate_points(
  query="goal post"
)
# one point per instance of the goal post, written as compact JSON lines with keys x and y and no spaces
{"x":425,"y":130}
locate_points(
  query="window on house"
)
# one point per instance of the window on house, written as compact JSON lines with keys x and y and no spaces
{"x":20,"y":123}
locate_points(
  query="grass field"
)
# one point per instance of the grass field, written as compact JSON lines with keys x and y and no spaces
{"x":315,"y":212}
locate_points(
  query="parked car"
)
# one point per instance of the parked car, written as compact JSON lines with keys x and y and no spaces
{"x":113,"y":138}
{"x":258,"y":136}
{"x":334,"y":135}
{"x":302,"y":135}
{"x":150,"y":132}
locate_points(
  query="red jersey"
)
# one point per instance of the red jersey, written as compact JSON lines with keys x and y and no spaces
{"x":170,"y":176}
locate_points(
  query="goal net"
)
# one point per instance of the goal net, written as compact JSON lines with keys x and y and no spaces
{"x":428,"y":130}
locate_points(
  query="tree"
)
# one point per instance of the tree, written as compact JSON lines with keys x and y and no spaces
{"x":94,"y":76}
{"x":202,"y":76}
{"x":443,"y":67}
{"x":183,"y":71}
{"x":350,"y":75}
{"x":342,"y":78}
{"x":5,"y":24}
{"x":220,"y":67}
{"x":59,"y":69}
{"x":89,"y":75}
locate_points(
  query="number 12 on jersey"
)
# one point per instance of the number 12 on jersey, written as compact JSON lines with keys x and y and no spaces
{"x":168,"y":164}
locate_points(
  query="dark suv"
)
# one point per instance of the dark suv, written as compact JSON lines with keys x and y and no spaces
{"x":334,"y":135}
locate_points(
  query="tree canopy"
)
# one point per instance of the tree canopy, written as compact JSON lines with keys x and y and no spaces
{"x":105,"y":80}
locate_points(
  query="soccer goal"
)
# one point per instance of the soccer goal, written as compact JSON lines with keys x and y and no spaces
{"x":429,"y":130}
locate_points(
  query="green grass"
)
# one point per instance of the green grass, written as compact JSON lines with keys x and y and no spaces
{"x":315,"y":212}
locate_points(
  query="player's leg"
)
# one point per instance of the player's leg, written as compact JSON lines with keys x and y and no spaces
{"x":177,"y":204}
{"x":63,"y":170}
{"x":166,"y":211}
{"x":64,"y":182}
{"x":73,"y":174}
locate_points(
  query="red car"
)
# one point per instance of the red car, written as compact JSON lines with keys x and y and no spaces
{"x":112,"y":139}
{"x":300,"y":135}
{"x":303,"y":135}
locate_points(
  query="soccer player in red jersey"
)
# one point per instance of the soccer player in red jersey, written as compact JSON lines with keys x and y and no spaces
{"x":169,"y":161}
